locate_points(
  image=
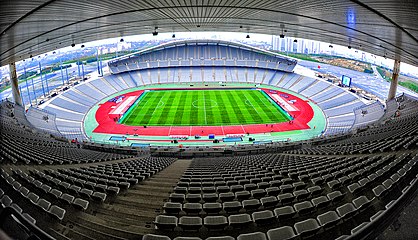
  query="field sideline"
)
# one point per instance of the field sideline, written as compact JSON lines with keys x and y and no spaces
{"x":203,"y":108}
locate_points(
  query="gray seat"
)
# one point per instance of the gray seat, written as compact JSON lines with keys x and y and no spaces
{"x":328,"y":219}
{"x":212,"y":208}
{"x":24,"y":191}
{"x":44,"y":204}
{"x":172,"y":208}
{"x":16,"y":207}
{"x":272,"y":191}
{"x":315,"y":190}
{"x":242,"y":195}
{"x":361,"y":203}
{"x":320,"y":202}
{"x":301,"y":194}
{"x":210,"y":197}
{"x":177,"y":197}
{"x":335,"y":196}
{"x":6,"y":201}
{"x":251,"y":205}
{"x":221,"y":238}
{"x":67,"y":198}
{"x":190,"y":223}
{"x":33,"y":197}
{"x":307,"y":227}
{"x":286,"y":198}
{"x":226,"y":196}
{"x":215,"y":222}
{"x":231,"y":207}
{"x":155,"y":237}
{"x":346,"y":211}
{"x":285,"y":212}
{"x":239,"y":220}
{"x":29,"y":218}
{"x":192,"y":208}
{"x":263,"y":217}
{"x":99,"y":196}
{"x":166,"y":222}
{"x":57,"y":212}
{"x":86,"y":193}
{"x":281,"y":233}
{"x":81,"y":204}
{"x":55,"y":193}
{"x":252,"y":236}
{"x":269,"y":202}
{"x":304,"y":208}
{"x":193,"y":198}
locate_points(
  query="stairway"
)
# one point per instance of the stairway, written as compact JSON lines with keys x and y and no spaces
{"x":131,"y":214}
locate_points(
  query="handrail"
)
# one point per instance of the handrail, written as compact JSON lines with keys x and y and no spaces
{"x":34,"y":230}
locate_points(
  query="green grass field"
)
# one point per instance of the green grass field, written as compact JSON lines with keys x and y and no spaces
{"x":203,"y":108}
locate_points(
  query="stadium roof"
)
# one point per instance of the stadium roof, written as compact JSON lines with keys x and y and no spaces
{"x":386,"y":28}
{"x":204,"y":42}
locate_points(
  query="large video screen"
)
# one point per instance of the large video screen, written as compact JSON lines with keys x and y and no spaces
{"x":346,"y":81}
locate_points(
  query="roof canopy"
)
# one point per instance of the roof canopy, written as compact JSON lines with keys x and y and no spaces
{"x":385,"y":28}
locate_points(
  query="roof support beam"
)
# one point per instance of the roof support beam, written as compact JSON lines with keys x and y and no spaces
{"x":394,"y":82}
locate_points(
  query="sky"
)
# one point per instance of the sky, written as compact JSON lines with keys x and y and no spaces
{"x":254,"y":38}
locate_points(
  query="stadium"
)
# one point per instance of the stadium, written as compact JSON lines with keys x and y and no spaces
{"x":206,"y":138}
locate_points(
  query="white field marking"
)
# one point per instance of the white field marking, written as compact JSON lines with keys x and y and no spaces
{"x":243,"y":130}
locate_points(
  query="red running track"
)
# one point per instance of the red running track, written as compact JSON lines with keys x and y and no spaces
{"x":107,"y":124}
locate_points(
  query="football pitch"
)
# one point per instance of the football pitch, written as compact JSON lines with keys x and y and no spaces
{"x":203,"y":108}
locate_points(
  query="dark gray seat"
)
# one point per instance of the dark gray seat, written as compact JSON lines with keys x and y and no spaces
{"x":210,"y":197}
{"x":67,"y":198}
{"x":239,"y":220}
{"x":43,"y":204}
{"x":335,"y":196}
{"x":346,"y":211}
{"x":212,"y":208}
{"x":33,"y":197}
{"x":190,"y":223}
{"x":192,"y":208}
{"x":328,"y":219}
{"x":166,"y":222}
{"x":99,"y":196}
{"x":242,"y":195}
{"x":57,"y":212}
{"x":304,"y":208}
{"x":155,"y":237}
{"x":321,"y":202}
{"x":252,"y":236}
{"x":361,"y":203}
{"x":281,"y":233}
{"x":307,"y":227}
{"x":177,"y":197}
{"x":215,"y":222}
{"x":285,"y":212}
{"x":301,"y":194}
{"x":233,"y":206}
{"x":286,"y":198}
{"x":269,"y":202}
{"x":251,"y":204}
{"x":263,"y":217}
{"x":81,"y":204}
{"x":172,"y":208}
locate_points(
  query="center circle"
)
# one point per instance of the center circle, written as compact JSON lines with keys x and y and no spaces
{"x":205,"y":103}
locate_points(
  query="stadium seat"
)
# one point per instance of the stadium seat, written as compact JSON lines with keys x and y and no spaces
{"x":215,"y":222}
{"x":252,"y":236}
{"x":165,"y":222}
{"x":285,"y":212}
{"x":307,"y":227}
{"x":239,"y":220}
{"x":281,"y":233}
{"x":263,"y":217}
{"x":328,"y":219}
{"x":190,"y":223}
